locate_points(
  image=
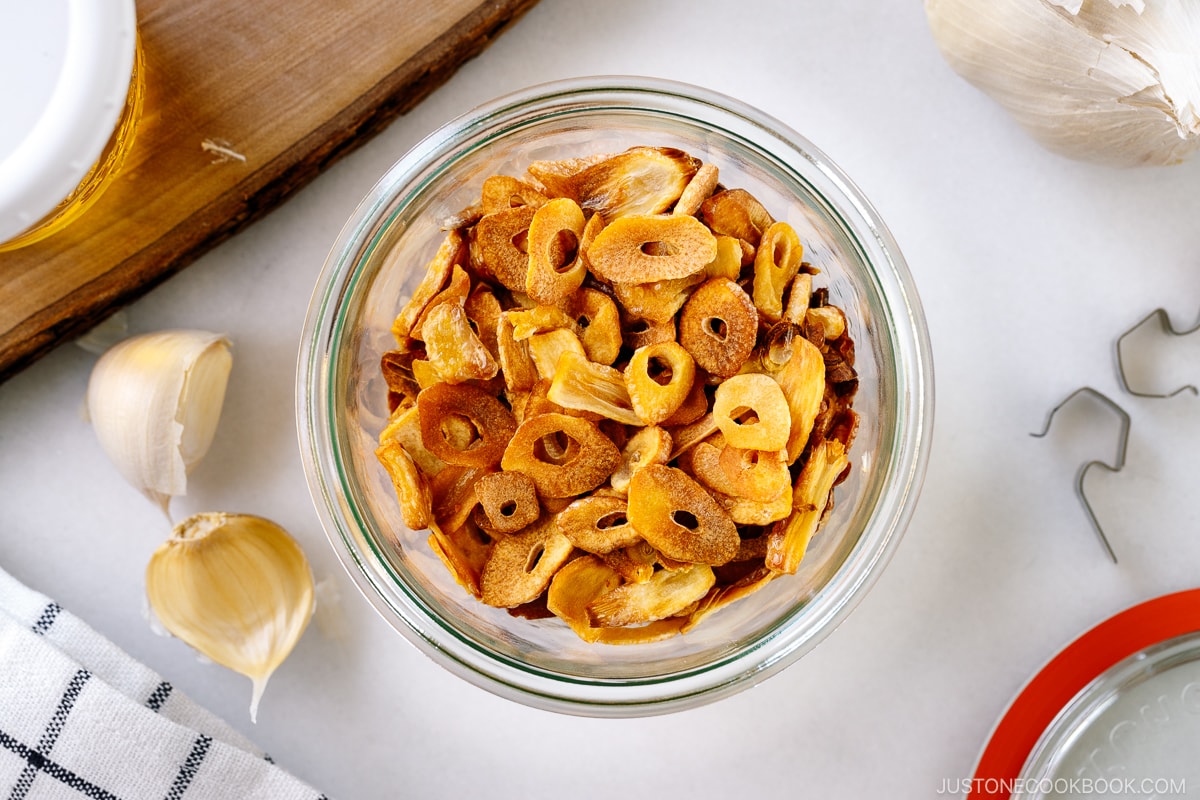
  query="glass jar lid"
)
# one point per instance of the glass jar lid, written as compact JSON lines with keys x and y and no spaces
{"x":1135,"y":728}
{"x":65,"y":69}
{"x":1115,"y":713}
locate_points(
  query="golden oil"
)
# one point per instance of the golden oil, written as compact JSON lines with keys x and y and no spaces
{"x":102,"y":173}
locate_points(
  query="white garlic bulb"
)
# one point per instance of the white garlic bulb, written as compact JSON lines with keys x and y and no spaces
{"x":235,"y":587}
{"x":154,"y":401}
{"x":1111,"y":81}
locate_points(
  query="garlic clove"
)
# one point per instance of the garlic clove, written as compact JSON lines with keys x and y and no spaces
{"x":154,"y":401}
{"x":1110,"y":81}
{"x":235,"y":587}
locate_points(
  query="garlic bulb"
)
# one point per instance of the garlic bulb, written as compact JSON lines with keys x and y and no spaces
{"x":154,"y":401}
{"x":1111,"y":81}
{"x":235,"y":587}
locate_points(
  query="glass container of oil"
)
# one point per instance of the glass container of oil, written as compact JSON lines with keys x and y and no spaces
{"x":70,"y":94}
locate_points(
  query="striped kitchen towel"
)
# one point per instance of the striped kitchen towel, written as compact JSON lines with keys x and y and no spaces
{"x":80,"y":718}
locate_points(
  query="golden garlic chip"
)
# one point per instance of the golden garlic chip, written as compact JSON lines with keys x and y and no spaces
{"x":556,"y":266}
{"x":775,"y":264}
{"x":659,"y":378}
{"x":719,"y":327}
{"x":561,"y":468}
{"x":752,"y":412}
{"x":509,"y":500}
{"x":598,"y":524}
{"x":679,"y":518}
{"x":499,"y":246}
{"x":641,"y":249}
{"x":446,"y":409}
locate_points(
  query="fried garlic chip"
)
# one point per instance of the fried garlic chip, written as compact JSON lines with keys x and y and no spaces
{"x":664,"y":595}
{"x":442,"y":410}
{"x":584,"y":385}
{"x":659,"y":378}
{"x":758,"y":475}
{"x":453,"y":249}
{"x":721,"y":596}
{"x":639,"y":332}
{"x":597,"y":524}
{"x":789,"y":538}
{"x":586,"y":579}
{"x":775,"y":264}
{"x":802,"y":380}
{"x":650,"y":445}
{"x":527,"y":322}
{"x":699,"y":188}
{"x":521,"y":566}
{"x":679,"y":518}
{"x":556,"y":264}
{"x":728,"y":263}
{"x":454,"y":497}
{"x":656,"y":631}
{"x":404,"y":428}
{"x":456,"y":292}
{"x":757,"y":512}
{"x":556,"y":174}
{"x":520,"y":373}
{"x":752,"y":411}
{"x":509,"y":500}
{"x":573,"y":587}
{"x":642,"y":180}
{"x":646,"y":248}
{"x":464,"y":551}
{"x":634,"y":563}
{"x":578,"y":468}
{"x":483,"y":310}
{"x":755,"y":474}
{"x":416,"y":501}
{"x":657,"y":301}
{"x":735,"y":212}
{"x":454,"y":350}
{"x":547,"y":348}
{"x":501,"y":192}
{"x":598,"y":323}
{"x":718,"y":325}
{"x":498,"y":246}
{"x":830,"y":319}
{"x":799,"y":296}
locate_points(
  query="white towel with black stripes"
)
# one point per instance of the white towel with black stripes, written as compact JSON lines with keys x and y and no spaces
{"x":81,"y":719}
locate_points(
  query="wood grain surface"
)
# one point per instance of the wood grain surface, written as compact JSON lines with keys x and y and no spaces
{"x":287,"y":85}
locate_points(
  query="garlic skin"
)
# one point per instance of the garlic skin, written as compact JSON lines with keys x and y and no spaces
{"x":154,"y":401}
{"x":235,"y":587}
{"x":1110,"y":81}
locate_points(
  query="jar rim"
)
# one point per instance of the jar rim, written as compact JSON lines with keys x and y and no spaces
{"x":782,"y":643}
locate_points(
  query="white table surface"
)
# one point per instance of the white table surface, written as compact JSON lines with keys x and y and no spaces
{"x":1029,"y":266}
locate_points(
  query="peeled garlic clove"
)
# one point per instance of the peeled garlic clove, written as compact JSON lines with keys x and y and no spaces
{"x":235,"y":587}
{"x":154,"y":401}
{"x":1111,"y":81}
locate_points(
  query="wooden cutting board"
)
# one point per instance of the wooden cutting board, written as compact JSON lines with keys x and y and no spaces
{"x":286,"y":86}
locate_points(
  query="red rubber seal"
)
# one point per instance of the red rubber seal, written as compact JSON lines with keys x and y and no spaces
{"x":1084,"y":660}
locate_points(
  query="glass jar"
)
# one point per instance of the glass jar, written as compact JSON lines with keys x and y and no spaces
{"x":342,"y":405}
{"x":71,"y":88}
